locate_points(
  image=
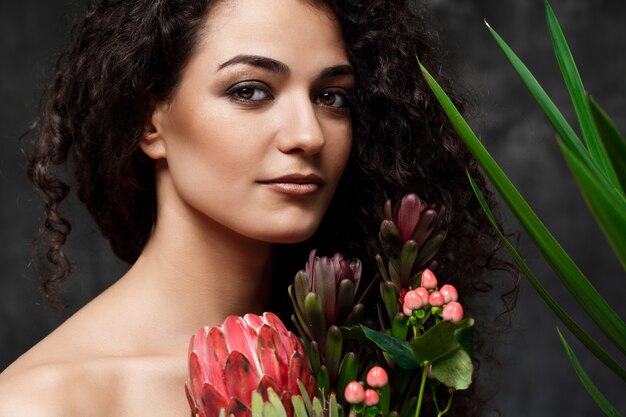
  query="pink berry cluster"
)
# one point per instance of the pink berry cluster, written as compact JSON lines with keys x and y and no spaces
{"x":356,"y":394}
{"x":428,"y":295}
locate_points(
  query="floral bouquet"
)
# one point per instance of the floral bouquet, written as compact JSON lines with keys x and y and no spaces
{"x":344,"y":363}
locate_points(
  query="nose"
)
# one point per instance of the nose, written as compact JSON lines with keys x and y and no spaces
{"x":301,"y":131}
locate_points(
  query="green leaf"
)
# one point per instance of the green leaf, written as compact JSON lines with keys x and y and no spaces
{"x":549,"y":108}
{"x":597,"y":396}
{"x":439,"y":341}
{"x":276,"y":402}
{"x":257,"y":404}
{"x":357,"y":314}
{"x":390,"y":299}
{"x":385,"y":399}
{"x":408,"y":254}
{"x":577,"y":93}
{"x":333,"y":407}
{"x":454,"y":370}
{"x":400,"y":326}
{"x":465,"y":337}
{"x":314,"y":313}
{"x":606,"y":204}
{"x":381,"y":268}
{"x":345,"y":300}
{"x":269,"y":410}
{"x":390,"y":234}
{"x":298,"y":406}
{"x":301,"y":289}
{"x":347,"y":373}
{"x":569,"y":273}
{"x":409,"y":407}
{"x":305,"y":398}
{"x":315,"y":358}
{"x":323,"y":381}
{"x":303,"y":325}
{"x":614,"y":142}
{"x":334,"y":348}
{"x":554,"y":306}
{"x":431,"y":248}
{"x":393,"y":273}
{"x":399,"y":349}
{"x":318,"y":409}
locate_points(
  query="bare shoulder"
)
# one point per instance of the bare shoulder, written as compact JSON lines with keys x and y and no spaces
{"x":43,"y":390}
{"x":94,"y":387}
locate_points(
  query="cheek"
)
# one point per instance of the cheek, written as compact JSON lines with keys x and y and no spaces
{"x":338,"y":149}
{"x":210,"y":146}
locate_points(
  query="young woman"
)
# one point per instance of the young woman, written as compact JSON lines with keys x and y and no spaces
{"x":215,"y":143}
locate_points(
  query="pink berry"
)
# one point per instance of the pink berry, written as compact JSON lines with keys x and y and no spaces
{"x":452,"y":311}
{"x":423,"y":293}
{"x":406,"y":311}
{"x":412,"y":301}
{"x":371,"y":398}
{"x":449,"y":293}
{"x":354,"y":393}
{"x":377,"y":377}
{"x":428,"y":279}
{"x":435,"y":299}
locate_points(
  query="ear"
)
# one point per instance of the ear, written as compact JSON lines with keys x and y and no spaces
{"x":152,"y":142}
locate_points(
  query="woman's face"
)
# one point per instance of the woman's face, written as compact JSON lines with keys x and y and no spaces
{"x":258,"y":132}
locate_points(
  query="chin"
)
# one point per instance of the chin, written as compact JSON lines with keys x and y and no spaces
{"x":295,"y":234}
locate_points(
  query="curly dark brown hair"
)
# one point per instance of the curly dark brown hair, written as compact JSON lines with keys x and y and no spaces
{"x":125,"y":55}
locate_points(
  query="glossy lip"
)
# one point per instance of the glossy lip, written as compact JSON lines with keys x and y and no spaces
{"x":295,"y":184}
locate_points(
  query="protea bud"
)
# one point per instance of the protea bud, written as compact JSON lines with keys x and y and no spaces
{"x":228,"y":363}
{"x":408,"y":239}
{"x":335,"y":281}
{"x":323,"y":297}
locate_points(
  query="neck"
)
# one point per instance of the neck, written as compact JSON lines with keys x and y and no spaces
{"x":195,"y":272}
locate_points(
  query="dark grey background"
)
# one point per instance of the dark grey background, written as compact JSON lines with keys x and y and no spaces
{"x":535,"y":378}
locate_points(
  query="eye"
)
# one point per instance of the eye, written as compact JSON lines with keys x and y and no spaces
{"x":335,"y":99}
{"x":249,"y":93}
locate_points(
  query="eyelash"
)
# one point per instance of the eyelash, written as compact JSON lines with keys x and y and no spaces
{"x":233,"y":92}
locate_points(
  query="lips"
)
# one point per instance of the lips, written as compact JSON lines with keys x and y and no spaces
{"x":295,"y":184}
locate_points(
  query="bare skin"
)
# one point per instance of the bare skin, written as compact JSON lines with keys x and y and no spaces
{"x":125,"y":353}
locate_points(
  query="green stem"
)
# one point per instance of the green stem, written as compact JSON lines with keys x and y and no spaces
{"x":451,"y":391}
{"x":422,"y":386}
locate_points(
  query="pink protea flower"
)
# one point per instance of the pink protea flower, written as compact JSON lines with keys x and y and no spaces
{"x":452,"y":311}
{"x":449,"y":293}
{"x":228,"y":362}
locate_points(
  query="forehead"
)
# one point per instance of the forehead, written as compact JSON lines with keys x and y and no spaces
{"x":285,"y":30}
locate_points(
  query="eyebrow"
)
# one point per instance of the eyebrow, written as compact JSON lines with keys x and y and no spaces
{"x":278,"y":67}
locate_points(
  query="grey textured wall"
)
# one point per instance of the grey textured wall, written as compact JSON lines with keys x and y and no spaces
{"x":535,"y":378}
